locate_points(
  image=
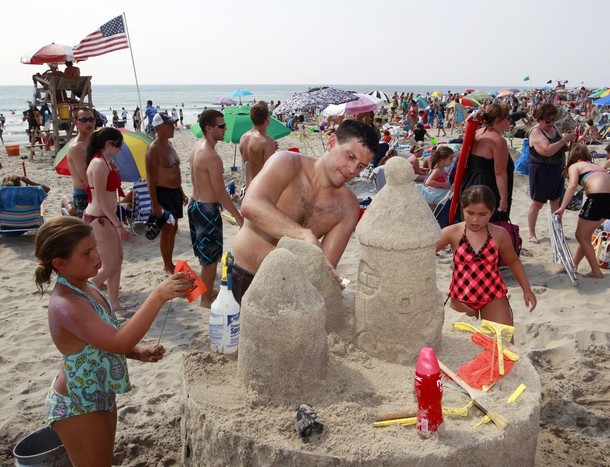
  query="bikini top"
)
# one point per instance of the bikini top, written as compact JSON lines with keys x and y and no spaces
{"x":584,"y":176}
{"x":113,"y":182}
{"x":92,"y":370}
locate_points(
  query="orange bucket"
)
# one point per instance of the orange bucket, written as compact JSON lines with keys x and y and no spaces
{"x":12,"y":150}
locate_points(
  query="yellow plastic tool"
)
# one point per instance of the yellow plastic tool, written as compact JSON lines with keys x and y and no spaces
{"x":460,"y":411}
{"x":517,"y":393}
{"x":397,"y":421}
{"x":469,"y":327}
{"x":500,"y":331}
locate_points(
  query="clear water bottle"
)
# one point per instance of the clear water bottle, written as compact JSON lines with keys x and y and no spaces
{"x":429,"y":393}
{"x":224,"y":313}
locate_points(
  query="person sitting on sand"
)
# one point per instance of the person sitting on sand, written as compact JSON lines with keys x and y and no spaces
{"x":303,"y":197}
{"x":591,"y":133}
{"x":80,"y":404}
{"x":580,"y":170}
{"x":477,"y":288}
{"x":419,"y":173}
{"x":16,"y":180}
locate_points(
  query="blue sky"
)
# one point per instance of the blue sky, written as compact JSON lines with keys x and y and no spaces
{"x":459,"y":42}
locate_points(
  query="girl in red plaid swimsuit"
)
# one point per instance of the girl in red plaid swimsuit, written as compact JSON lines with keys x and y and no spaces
{"x":477,"y":288}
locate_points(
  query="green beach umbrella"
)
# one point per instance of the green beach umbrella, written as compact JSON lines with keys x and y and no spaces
{"x":238,"y":122}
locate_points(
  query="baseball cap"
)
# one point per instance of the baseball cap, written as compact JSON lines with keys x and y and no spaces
{"x":161,"y":118}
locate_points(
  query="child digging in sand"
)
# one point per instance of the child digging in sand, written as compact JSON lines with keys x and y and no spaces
{"x":81,"y":405}
{"x":477,"y":288}
{"x":596,"y":182}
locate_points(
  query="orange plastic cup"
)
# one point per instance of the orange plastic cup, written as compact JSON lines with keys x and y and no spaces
{"x":200,"y":287}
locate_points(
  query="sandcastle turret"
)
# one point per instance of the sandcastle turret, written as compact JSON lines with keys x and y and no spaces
{"x":283,"y":351}
{"x":398,"y":307}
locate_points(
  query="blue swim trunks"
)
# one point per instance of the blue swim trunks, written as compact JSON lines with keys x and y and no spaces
{"x":205,"y":223}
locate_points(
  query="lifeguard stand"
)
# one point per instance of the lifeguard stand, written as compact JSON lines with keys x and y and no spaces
{"x":63,"y":105}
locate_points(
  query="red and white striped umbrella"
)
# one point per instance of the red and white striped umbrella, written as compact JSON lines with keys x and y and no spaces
{"x":50,"y":53}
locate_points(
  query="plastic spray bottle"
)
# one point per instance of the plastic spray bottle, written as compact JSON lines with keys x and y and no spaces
{"x":224,"y":313}
{"x":429,"y":393}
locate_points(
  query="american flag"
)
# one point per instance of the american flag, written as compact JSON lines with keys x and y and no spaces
{"x":108,"y":38}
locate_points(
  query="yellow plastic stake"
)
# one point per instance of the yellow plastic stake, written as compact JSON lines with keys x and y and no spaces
{"x":397,"y":421}
{"x":517,"y":393}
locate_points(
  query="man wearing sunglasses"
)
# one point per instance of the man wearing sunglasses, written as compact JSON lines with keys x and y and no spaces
{"x":165,"y":183}
{"x":77,"y":159}
{"x":209,"y":193}
{"x":305,"y":198}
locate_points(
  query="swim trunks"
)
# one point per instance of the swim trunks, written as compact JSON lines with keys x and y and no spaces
{"x":242,"y":279}
{"x":476,"y":280}
{"x":79,"y":195}
{"x":171,"y":199}
{"x":596,"y":208}
{"x":205,"y":224}
{"x":93,"y":375}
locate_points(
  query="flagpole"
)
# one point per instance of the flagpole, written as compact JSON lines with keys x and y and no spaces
{"x":133,"y":63}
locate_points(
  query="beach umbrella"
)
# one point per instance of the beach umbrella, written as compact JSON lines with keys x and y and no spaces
{"x":224,"y":101}
{"x":479,"y":95}
{"x":379,"y":95}
{"x":465,"y":102}
{"x":437,"y":94}
{"x":315,"y":97}
{"x":239,"y":93}
{"x":238,"y":122}
{"x":131,"y":159}
{"x":603,"y":101}
{"x":364,"y":103}
{"x":422,"y":103}
{"x":50,"y":53}
{"x":505,"y":92}
{"x":603,"y":92}
{"x":467,"y":91}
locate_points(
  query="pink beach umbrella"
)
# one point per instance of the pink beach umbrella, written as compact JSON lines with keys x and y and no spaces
{"x":505,"y":92}
{"x":364,"y":103}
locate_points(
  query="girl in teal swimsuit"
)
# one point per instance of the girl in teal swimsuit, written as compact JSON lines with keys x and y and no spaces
{"x":581,"y":170}
{"x":81,"y":402}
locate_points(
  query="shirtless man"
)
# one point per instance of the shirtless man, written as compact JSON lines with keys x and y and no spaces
{"x":77,"y":159}
{"x":303,"y":197}
{"x":255,"y":145}
{"x":165,"y":184}
{"x":209,"y":194}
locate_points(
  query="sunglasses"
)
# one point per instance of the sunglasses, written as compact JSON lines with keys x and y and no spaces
{"x":222,"y":126}
{"x":86,"y":119}
{"x":548,"y":122}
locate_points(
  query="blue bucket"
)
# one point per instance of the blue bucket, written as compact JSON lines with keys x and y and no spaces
{"x":43,"y":448}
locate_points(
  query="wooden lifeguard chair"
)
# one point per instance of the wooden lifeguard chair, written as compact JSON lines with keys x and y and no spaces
{"x":65,"y":96}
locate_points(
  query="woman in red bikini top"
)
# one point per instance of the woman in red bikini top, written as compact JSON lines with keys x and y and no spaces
{"x":103,"y":180}
{"x":477,"y":288}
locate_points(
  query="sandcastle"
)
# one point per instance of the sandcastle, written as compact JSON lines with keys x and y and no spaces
{"x":299,"y":345}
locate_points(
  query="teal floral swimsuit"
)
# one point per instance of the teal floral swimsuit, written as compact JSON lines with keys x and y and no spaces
{"x":93,"y":376}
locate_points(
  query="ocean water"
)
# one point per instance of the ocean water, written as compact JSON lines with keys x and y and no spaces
{"x":191,"y":98}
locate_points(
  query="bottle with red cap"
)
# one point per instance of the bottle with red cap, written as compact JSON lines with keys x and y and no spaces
{"x":429,"y":393}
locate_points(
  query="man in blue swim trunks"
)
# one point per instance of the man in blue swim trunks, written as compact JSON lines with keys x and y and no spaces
{"x":77,"y":159}
{"x":303,"y":197}
{"x":209,"y":194}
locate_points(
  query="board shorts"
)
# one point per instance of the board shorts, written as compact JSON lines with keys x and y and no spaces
{"x":596,"y":207}
{"x":205,"y":224}
{"x":171,"y":199}
{"x":79,"y":198}
{"x":242,"y":279}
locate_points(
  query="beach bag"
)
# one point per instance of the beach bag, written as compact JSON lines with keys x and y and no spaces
{"x":575,"y":203}
{"x":601,"y":245}
{"x":523,"y":163}
{"x":513,"y":232}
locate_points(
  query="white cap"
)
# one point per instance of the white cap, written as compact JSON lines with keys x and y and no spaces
{"x":161,"y":118}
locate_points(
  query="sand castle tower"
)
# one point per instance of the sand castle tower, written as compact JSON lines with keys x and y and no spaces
{"x":398,"y":307}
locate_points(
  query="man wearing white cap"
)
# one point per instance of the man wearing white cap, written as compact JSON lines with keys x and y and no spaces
{"x":164,"y":183}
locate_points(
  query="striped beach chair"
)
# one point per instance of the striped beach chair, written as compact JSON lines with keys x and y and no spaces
{"x":142,"y":205}
{"x":21,"y":209}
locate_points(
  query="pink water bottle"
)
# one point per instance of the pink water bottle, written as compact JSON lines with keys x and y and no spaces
{"x":429,"y":393}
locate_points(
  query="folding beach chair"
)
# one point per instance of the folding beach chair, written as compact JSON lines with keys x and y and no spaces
{"x":561,"y":251}
{"x":21,"y":209}
{"x":142,"y":205}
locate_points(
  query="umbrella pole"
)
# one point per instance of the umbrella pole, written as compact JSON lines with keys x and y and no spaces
{"x":234,"y":167}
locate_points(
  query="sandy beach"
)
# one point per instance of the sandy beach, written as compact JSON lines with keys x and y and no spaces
{"x":567,"y":338}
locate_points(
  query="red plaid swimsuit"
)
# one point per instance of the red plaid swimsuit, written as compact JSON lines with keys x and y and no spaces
{"x":476,"y":280}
